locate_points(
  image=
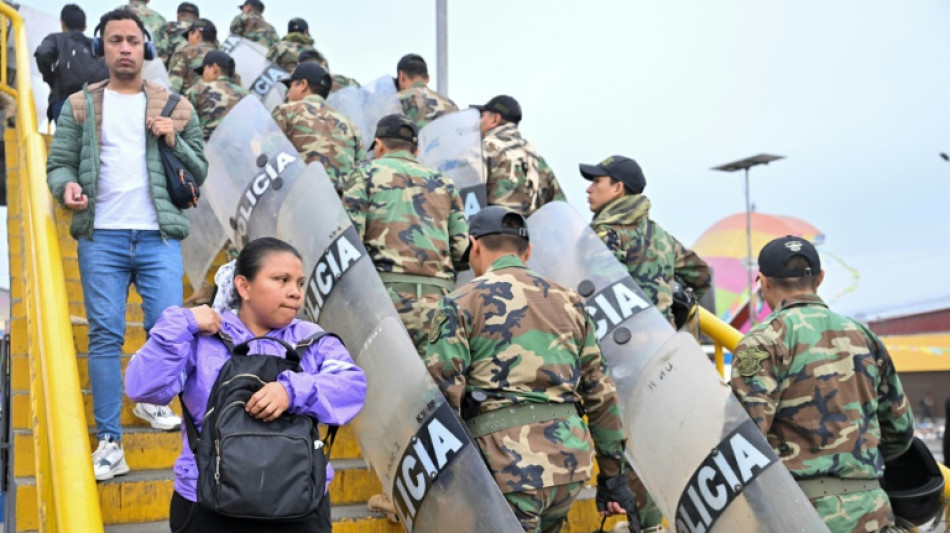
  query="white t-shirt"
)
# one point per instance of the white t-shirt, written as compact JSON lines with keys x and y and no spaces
{"x":123,"y":196}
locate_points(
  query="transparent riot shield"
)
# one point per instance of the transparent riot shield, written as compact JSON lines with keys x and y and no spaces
{"x":698,"y":452}
{"x":38,"y":25}
{"x":203,"y":243}
{"x":452,"y":144}
{"x":249,"y":162}
{"x":258,"y":75}
{"x":418,"y":447}
{"x":364,"y":106}
{"x":155,"y":71}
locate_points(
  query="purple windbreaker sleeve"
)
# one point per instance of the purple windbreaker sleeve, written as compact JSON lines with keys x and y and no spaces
{"x":330,"y":386}
{"x":154,"y":374}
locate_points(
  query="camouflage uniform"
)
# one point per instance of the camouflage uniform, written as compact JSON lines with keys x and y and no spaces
{"x":152,"y":19}
{"x":284,"y":54}
{"x":213,"y":100}
{"x":253,"y":27}
{"x":172,"y":36}
{"x":518,"y":178}
{"x":523,"y":339}
{"x":423,"y":105}
{"x":321,"y":133}
{"x":824,"y":391}
{"x":625,"y":227}
{"x":412,"y":222}
{"x":342,"y":82}
{"x":182,"y":65}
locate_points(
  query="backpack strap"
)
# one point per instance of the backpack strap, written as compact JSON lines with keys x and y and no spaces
{"x":190,"y":429}
{"x":329,"y":440}
{"x":171,"y":104}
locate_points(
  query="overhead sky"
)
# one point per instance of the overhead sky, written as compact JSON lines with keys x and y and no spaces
{"x":853,"y":93}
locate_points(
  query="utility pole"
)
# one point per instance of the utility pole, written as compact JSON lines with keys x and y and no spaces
{"x":442,"y":46}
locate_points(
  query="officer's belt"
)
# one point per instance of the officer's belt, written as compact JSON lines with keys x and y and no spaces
{"x":833,"y":486}
{"x":518,"y":415}
{"x":418,"y":284}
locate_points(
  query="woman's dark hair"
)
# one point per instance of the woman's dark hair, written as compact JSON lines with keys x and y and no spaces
{"x":73,"y":17}
{"x":121,"y":14}
{"x":251,"y":259}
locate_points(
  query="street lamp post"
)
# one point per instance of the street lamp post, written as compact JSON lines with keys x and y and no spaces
{"x":746,"y":164}
{"x":442,"y":46}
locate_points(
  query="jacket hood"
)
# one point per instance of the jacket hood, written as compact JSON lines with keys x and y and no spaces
{"x":626,"y":210}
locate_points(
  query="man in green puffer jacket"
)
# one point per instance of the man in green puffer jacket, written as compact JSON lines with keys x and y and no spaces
{"x":652,"y":256}
{"x":106,"y":167}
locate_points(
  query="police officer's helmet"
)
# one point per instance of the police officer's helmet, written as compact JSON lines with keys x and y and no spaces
{"x":914,"y":484}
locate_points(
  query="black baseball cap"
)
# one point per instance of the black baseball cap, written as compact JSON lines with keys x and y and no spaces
{"x":188,"y":7}
{"x":297,"y":24}
{"x":312,"y":72}
{"x":203,"y":25}
{"x":490,"y":221}
{"x":620,"y":168}
{"x":257,"y":5}
{"x":775,"y":255}
{"x":396,"y":126}
{"x":504,"y":105}
{"x":216,"y":57}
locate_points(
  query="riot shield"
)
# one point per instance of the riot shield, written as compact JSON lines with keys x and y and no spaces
{"x":698,"y":452}
{"x":155,"y":71}
{"x":249,"y":159}
{"x":258,"y":75}
{"x":202,"y":245}
{"x":38,"y":25}
{"x":452,"y":144}
{"x":418,"y":447}
{"x":364,"y":106}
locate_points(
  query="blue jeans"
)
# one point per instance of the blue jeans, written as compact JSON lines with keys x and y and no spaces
{"x":108,"y":264}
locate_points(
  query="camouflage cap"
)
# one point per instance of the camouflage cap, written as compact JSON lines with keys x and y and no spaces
{"x":504,"y":105}
{"x":188,"y":7}
{"x":775,"y":255}
{"x":494,"y":220}
{"x":396,"y":126}
{"x":620,"y":168}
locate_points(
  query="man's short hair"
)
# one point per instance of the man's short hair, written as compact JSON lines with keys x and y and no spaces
{"x":311,"y":55}
{"x":73,"y":17}
{"x":121,"y":14}
{"x":501,"y":242}
{"x":209,"y":32}
{"x":413,"y":65}
{"x":396,"y":145}
{"x":803,"y":284}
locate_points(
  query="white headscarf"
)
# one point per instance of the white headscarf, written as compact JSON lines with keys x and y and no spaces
{"x":226,"y":297}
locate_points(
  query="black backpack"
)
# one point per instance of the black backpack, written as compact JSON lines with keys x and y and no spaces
{"x":77,"y":65}
{"x":248,"y":468}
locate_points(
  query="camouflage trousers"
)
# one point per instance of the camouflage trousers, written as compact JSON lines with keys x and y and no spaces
{"x":647,"y":511}
{"x":415,"y":314}
{"x":544,"y":510}
{"x":860,"y":512}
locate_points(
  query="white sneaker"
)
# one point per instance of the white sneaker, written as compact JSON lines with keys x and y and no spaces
{"x":159,"y":416}
{"x":108,"y":460}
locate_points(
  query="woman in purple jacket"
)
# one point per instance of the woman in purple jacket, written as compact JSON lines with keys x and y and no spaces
{"x":183,"y":355}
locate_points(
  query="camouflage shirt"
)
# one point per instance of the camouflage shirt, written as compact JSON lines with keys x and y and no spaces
{"x":423,"y":105}
{"x":286,"y":52}
{"x":518,"y":178}
{"x":182,"y":65}
{"x":410,"y":217}
{"x":213,"y":100}
{"x":172,"y":36}
{"x":253,"y":27}
{"x":321,"y":133}
{"x":523,"y":339}
{"x":342,"y":82}
{"x":824,"y":391}
{"x":152,"y":19}
{"x":652,"y":256}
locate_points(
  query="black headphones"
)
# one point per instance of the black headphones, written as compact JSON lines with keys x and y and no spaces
{"x":98,"y":49}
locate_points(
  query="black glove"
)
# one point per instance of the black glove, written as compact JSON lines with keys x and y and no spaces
{"x":615,"y":489}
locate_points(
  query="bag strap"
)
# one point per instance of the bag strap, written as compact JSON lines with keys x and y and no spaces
{"x":190,"y":429}
{"x":170,"y":105}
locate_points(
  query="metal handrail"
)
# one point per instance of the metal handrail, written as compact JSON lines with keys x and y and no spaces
{"x":722,"y":334}
{"x":66,"y":491}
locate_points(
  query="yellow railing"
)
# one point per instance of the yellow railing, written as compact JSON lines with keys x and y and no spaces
{"x":722,"y":334}
{"x":66,"y":491}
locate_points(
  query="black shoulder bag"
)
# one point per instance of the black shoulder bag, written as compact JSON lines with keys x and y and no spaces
{"x":182,"y":187}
